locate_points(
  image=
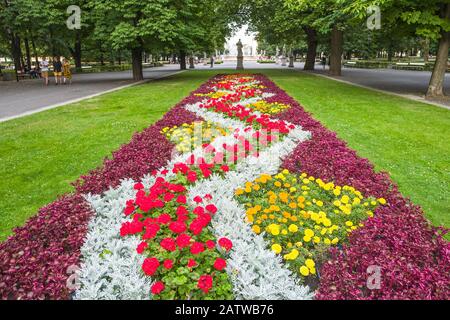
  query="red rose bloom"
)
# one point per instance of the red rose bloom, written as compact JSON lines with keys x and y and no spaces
{"x":157,"y":287}
{"x":225,"y":168}
{"x":208,"y":196}
{"x":211,"y":208}
{"x":198,"y":199}
{"x":181,"y":211}
{"x":177,"y":227}
{"x":210,"y":244}
{"x":220,"y":264}
{"x":199,"y":210}
{"x":196,"y":227}
{"x":197,"y":247}
{"x":168,"y":244}
{"x":183,"y":241}
{"x":168,"y":264}
{"x":150,"y":266}
{"x":191,"y":263}
{"x":205,"y":283}
{"x":225,"y":243}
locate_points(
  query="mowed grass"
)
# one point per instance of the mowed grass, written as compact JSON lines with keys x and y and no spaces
{"x":40,"y":155}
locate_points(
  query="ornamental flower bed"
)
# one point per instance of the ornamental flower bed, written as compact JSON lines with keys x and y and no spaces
{"x":274,"y":206}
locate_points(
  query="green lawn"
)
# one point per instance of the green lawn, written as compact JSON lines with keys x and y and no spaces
{"x":41,"y":154}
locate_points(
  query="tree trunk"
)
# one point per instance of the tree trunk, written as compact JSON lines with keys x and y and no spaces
{"x":426,"y":50}
{"x":310,"y":62}
{"x":28,"y":54}
{"x":33,"y":45}
{"x":436,"y":86}
{"x":136,"y":56}
{"x":191,"y":62}
{"x":182,"y":60}
{"x":15,"y":52}
{"x":337,"y":41}
{"x":77,"y":51}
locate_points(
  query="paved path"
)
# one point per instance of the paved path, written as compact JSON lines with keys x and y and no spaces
{"x":29,"y":96}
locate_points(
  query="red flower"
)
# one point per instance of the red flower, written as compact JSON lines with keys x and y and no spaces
{"x":225,"y":168}
{"x":220,"y":264}
{"x":181,"y":199}
{"x":225,"y":243}
{"x":199,"y":210}
{"x":205,"y":283}
{"x":168,"y":244}
{"x":141,"y":247}
{"x":168,"y":264}
{"x":164,"y":218}
{"x":129,"y":210}
{"x":197,"y":247}
{"x":151,"y":231}
{"x":138,"y":186}
{"x":181,"y":210}
{"x":157,"y":287}
{"x":196,"y":227}
{"x":177,"y":227}
{"x":198,"y":199}
{"x":192,"y":176}
{"x":207,"y":197}
{"x":210,"y":244}
{"x":168,"y":196}
{"x":191,"y":263}
{"x":211,"y":208}
{"x":183,"y":241}
{"x":150,"y":266}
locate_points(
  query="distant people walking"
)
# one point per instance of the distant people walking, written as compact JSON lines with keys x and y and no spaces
{"x":212,"y":61}
{"x":57,"y":70}
{"x":43,"y":65}
{"x":67,"y":74}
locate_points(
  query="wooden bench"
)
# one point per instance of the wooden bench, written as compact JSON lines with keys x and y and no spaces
{"x":22,"y":76}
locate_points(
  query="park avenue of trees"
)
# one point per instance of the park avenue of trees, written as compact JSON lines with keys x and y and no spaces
{"x":129,"y":30}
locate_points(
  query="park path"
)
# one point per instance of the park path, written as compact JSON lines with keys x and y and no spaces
{"x":31,"y":96}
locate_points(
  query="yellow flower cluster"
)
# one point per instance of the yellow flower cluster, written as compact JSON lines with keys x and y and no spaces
{"x":189,"y":136}
{"x":268,"y":107}
{"x":302,"y":216}
{"x":214,"y":94}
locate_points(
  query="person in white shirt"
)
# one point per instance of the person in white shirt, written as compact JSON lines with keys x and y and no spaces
{"x":43,"y":65}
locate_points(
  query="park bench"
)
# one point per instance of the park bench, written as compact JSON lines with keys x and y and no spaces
{"x":22,"y":75}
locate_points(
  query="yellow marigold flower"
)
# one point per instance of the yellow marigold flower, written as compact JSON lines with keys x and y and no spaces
{"x":299,"y":244}
{"x":277,"y":184}
{"x":309,"y":233}
{"x":336,"y":191}
{"x":310,"y":263}
{"x":345,"y":198}
{"x":239,"y":191}
{"x":285,"y":171}
{"x":382,"y":201}
{"x":374,"y":203}
{"x":256,"y":187}
{"x":293,"y":189}
{"x":292,"y":255}
{"x":284,"y":232}
{"x":274,"y":229}
{"x":306,"y":181}
{"x":348,"y":223}
{"x":301,"y":199}
{"x":294,"y":218}
{"x":327,"y":241}
{"x":356,"y":201}
{"x":306,"y":239}
{"x":337,"y":203}
{"x":316,"y":239}
{"x":304,"y":271}
{"x":271,"y":216}
{"x":284,"y":196}
{"x":293,"y":228}
{"x":312,"y":270}
{"x":335,"y":240}
{"x":370,"y":213}
{"x":248,"y":189}
{"x":276,"y":248}
{"x":256,"y":229}
{"x":319,"y":203}
{"x":292,"y":205}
